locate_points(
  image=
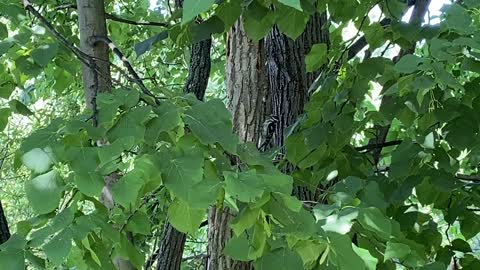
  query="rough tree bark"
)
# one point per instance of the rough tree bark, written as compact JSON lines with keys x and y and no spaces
{"x":172,"y":243}
{"x":288,"y":79}
{"x":4,"y":231}
{"x":199,"y":68}
{"x":248,"y":102}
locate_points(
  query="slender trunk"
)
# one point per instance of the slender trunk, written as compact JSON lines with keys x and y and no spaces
{"x":4,"y":231}
{"x":91,"y":20}
{"x":97,"y":78}
{"x":173,"y":242}
{"x":288,"y":80}
{"x":170,"y":249}
{"x":199,"y":68}
{"x":248,"y":102}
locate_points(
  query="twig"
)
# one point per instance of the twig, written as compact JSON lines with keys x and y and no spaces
{"x":126,"y":63}
{"x":122,"y":20}
{"x":473,"y":178}
{"x":116,"y":18}
{"x":377,"y":145}
{"x":199,"y":256}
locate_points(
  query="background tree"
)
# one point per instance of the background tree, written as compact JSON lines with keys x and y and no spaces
{"x":4,"y":231}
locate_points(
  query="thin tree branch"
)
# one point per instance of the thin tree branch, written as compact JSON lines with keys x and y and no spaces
{"x":126,"y":63}
{"x":116,"y":18}
{"x":122,"y":20}
{"x":370,"y":147}
{"x":473,"y":178}
{"x":199,"y":256}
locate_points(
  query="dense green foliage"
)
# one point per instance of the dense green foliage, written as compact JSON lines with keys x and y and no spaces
{"x":417,"y":209}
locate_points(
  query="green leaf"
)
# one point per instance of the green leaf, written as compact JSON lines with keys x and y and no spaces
{"x":374,"y":220}
{"x":368,"y":259}
{"x":281,"y":259}
{"x":245,"y":186}
{"x":472,"y":3}
{"x":131,"y":124}
{"x":129,"y":252}
{"x":192,"y":8}
{"x":44,"y":54}
{"x":127,"y":97}
{"x":339,"y":223}
{"x":206,"y":29}
{"x":44,"y":192}
{"x":229,"y":12}
{"x":292,"y":3}
{"x":89,"y":183}
{"x":19,"y":107}
{"x":126,"y":191}
{"x":291,"y":21}
{"x":15,"y":242}
{"x":12,"y":259}
{"x":458,"y":18}
{"x":4,"y":115}
{"x":237,"y":248}
{"x":317,"y":57}
{"x":147,"y":45}
{"x":396,"y":251}
{"x":58,"y":248}
{"x":258,"y":241}
{"x":185,"y":218}
{"x":3,"y":31}
{"x":291,"y":202}
{"x":139,"y":223}
{"x":6,"y":45}
{"x":168,"y":119}
{"x":245,"y":220}
{"x":310,"y":251}
{"x":408,"y":63}
{"x":374,"y":34}
{"x":182,"y":174}
{"x":7,"y":85}
{"x":461,"y":245}
{"x":342,"y":253}
{"x":211,"y":123}
{"x":258,"y":29}
{"x":38,"y":160}
{"x":42,"y":137}
{"x":471,"y":64}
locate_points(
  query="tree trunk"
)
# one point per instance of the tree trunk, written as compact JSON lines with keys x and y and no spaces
{"x":173,"y":242}
{"x":248,"y":103}
{"x":4,"y":231}
{"x":170,"y":249}
{"x":96,"y":77}
{"x":199,"y":68}
{"x":288,"y":80}
{"x":91,"y":22}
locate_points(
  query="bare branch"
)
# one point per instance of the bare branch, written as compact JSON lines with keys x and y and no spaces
{"x":127,"y":64}
{"x":116,"y":18}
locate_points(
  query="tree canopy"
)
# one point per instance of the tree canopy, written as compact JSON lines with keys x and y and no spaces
{"x":388,"y":140}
